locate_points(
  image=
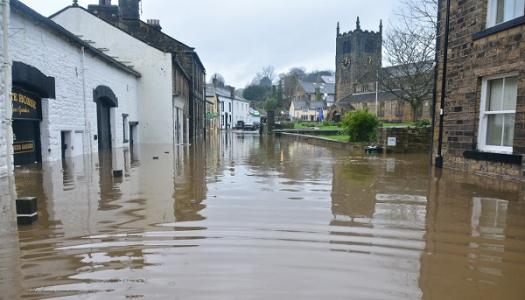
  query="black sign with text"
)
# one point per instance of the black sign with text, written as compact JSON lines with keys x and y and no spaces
{"x":26,"y":105}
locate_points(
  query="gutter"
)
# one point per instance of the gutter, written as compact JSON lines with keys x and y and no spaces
{"x":439,"y":157}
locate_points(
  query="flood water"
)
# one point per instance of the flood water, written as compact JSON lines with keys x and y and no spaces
{"x":245,"y":217}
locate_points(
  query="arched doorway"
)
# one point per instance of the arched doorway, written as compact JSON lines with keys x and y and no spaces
{"x":105,"y":100}
{"x":103,"y":125}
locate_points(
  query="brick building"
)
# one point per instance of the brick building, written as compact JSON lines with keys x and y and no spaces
{"x":480,"y":109}
{"x":358,"y":83}
{"x":126,"y":16}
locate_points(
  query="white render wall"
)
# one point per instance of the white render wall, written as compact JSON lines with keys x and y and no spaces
{"x":5,"y":103}
{"x":41,"y":48}
{"x":241,"y":111}
{"x":226,"y":108}
{"x":156,"y":106}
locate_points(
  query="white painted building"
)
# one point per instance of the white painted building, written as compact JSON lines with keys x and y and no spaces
{"x":68,"y":98}
{"x":5,"y":90}
{"x":232,"y":108}
{"x":161,"y":109}
{"x":241,"y":110}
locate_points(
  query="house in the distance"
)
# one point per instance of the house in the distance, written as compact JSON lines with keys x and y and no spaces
{"x":308,"y":110}
{"x":232,"y":108}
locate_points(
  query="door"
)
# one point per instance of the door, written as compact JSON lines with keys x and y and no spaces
{"x":104,"y":125}
{"x":26,"y":144}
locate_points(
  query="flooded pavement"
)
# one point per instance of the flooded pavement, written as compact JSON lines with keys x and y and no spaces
{"x":246,"y":217}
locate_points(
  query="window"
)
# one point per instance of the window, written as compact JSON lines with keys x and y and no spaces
{"x":125,"y":128}
{"x":230,"y":106}
{"x":500,"y":11}
{"x":222,"y":106}
{"x":497,"y":114}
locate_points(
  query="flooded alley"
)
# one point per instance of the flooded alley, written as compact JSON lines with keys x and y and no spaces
{"x":242,"y":216}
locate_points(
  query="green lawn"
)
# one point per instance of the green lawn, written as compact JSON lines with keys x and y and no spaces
{"x":333,"y":127}
{"x":320,"y":126}
{"x":337,"y":138}
{"x":404,"y":124}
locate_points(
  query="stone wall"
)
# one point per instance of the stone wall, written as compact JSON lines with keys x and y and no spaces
{"x":476,"y":52}
{"x":408,"y":139}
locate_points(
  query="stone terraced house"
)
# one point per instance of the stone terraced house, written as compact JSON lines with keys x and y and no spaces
{"x":480,"y":109}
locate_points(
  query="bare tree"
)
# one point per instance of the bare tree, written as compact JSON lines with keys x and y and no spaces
{"x":267,"y":74}
{"x":410,"y":50}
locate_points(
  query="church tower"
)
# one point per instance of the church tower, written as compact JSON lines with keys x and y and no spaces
{"x":358,"y":59}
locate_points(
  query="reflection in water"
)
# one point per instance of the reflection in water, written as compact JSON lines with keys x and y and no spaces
{"x":252,"y":217}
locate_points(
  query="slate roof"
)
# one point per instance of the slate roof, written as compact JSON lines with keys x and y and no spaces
{"x":328,"y":79}
{"x":317,"y":105}
{"x":368,"y":97}
{"x":310,"y":87}
{"x":29,"y":12}
{"x":411,"y":69}
{"x":299,"y":104}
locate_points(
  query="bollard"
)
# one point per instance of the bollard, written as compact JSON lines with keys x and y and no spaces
{"x":373,"y":150}
{"x":26,"y":210}
{"x":118,"y":173}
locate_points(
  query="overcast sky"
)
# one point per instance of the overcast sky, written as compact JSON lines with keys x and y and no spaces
{"x":237,"y":38}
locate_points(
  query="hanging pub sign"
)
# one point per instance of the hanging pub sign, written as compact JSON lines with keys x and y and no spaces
{"x":26,"y":105}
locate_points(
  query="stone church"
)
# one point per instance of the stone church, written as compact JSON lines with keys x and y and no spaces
{"x":358,"y":65}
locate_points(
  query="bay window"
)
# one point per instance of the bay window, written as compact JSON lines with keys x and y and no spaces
{"x":500,"y":11}
{"x":497,"y":114}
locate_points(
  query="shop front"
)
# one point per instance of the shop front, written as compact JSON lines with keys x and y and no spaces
{"x":29,"y":87}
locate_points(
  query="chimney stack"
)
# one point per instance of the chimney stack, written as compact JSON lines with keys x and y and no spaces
{"x":104,"y":2}
{"x":155,"y":23}
{"x":129,"y":9}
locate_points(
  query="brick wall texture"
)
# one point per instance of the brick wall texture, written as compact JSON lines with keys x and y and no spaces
{"x":471,"y":59}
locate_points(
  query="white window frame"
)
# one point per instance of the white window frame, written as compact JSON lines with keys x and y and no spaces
{"x":492,"y":8}
{"x":483,"y":118}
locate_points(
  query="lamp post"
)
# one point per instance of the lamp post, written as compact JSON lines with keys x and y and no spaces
{"x":377,"y":93}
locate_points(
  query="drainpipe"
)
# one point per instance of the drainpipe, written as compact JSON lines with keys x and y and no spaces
{"x":439,"y":157}
{"x":87,"y":126}
{"x":436,"y":74}
{"x":7,"y":122}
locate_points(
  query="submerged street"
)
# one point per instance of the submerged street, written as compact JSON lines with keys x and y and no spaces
{"x":242,"y":216}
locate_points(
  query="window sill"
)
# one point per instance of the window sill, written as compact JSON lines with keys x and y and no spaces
{"x":499,"y":28}
{"x":494,"y":157}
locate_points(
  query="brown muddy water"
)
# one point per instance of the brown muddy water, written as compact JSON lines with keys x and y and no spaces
{"x":245,"y":217}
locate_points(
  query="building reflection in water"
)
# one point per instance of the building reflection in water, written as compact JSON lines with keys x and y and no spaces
{"x":379,"y":210}
{"x":472,"y":250}
{"x":240,"y":214}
